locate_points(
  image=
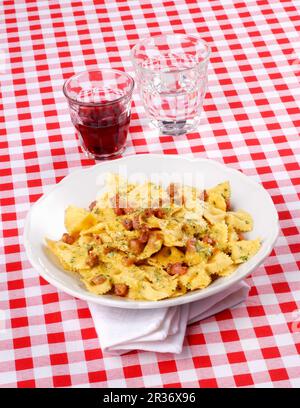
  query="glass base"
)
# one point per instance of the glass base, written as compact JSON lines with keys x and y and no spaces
{"x":175,"y":128}
{"x":110,"y":156}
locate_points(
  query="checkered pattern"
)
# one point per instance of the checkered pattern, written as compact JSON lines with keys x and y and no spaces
{"x":250,"y":121}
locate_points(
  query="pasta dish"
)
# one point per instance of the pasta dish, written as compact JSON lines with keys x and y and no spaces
{"x":148,"y":242}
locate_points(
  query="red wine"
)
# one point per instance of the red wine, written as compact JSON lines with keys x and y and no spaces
{"x":103,"y":129}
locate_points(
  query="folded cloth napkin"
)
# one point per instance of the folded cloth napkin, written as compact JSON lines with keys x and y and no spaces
{"x":159,"y":330}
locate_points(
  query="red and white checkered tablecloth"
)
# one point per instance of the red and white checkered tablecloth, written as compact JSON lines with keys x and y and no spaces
{"x":250,"y":121}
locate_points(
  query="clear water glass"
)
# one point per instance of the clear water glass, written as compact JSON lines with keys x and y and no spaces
{"x":171,"y":74}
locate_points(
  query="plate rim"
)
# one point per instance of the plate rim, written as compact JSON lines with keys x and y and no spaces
{"x":140,"y":304}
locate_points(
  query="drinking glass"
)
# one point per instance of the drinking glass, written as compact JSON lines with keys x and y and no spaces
{"x":171,"y":73}
{"x":99,"y":102}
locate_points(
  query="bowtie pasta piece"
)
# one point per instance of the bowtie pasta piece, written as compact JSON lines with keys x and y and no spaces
{"x":240,"y":220}
{"x":78,"y":219}
{"x":242,"y":251}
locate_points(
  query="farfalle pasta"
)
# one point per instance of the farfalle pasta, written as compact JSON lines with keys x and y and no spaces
{"x":147,"y":242}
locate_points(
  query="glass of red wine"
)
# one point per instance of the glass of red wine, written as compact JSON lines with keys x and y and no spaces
{"x":99,"y":102}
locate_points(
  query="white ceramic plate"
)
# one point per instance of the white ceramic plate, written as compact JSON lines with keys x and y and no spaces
{"x":46,"y":219}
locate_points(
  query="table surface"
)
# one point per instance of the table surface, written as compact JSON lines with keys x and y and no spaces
{"x":250,"y":122}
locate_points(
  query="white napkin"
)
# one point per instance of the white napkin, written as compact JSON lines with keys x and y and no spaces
{"x":158,"y":330}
